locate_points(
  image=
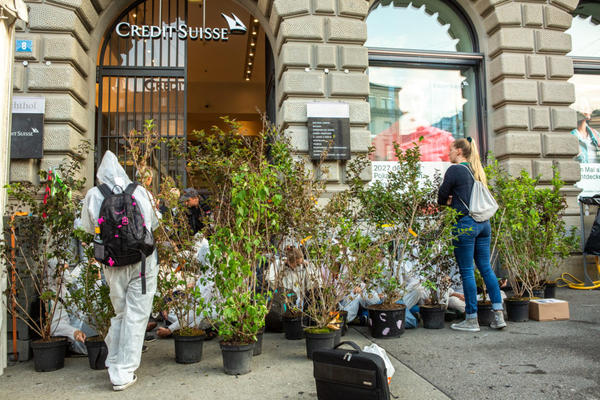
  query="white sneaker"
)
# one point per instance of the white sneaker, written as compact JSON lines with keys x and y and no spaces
{"x":468,"y":325}
{"x":118,"y":388}
{"x":498,"y":322}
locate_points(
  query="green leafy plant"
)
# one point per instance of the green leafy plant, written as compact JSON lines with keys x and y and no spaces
{"x":43,"y":240}
{"x":395,"y":211}
{"x":531,"y":235}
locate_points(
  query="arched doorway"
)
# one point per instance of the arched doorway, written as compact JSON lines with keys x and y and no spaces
{"x":184,"y":64}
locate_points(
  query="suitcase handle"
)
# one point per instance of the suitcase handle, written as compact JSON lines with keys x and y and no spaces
{"x":351,"y":344}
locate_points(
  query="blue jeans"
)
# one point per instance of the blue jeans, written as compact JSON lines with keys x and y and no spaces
{"x":475,"y":245}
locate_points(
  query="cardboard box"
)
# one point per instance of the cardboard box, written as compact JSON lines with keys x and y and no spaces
{"x":548,"y":310}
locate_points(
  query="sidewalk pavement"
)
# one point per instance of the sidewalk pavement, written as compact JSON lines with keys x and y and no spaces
{"x":528,"y":360}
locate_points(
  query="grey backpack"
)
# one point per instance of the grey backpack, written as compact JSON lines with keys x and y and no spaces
{"x":483,"y":206}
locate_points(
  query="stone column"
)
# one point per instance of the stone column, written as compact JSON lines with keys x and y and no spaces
{"x":57,"y":69}
{"x":528,"y":72}
{"x":320,"y":56}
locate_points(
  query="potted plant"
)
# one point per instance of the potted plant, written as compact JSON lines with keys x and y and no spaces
{"x":392,"y":209}
{"x":436,"y":262}
{"x":244,"y":187}
{"x":89,"y":299}
{"x":184,"y":282}
{"x":485,"y":315}
{"x":43,"y":245}
{"x":531,"y":243}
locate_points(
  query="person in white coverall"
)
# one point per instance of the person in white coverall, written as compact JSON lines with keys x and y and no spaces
{"x":132,"y":308}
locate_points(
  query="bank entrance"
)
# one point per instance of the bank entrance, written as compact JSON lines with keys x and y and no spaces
{"x":184,"y":64}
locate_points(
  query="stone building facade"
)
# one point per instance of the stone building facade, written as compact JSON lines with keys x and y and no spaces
{"x":319,"y":54}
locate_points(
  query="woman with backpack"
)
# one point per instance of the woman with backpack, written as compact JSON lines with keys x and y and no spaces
{"x":474,"y":238}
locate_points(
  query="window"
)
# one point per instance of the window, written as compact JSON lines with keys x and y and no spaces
{"x":585,"y":35}
{"x":424,"y":65}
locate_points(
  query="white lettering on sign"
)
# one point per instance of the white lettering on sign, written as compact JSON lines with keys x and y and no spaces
{"x":181,"y":31}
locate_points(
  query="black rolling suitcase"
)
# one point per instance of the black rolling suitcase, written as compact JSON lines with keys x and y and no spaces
{"x":350,"y":374}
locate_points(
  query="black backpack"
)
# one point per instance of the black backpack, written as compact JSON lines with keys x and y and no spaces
{"x":124,"y":239}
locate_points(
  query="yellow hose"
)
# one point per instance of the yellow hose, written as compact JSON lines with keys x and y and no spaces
{"x":574,"y":283}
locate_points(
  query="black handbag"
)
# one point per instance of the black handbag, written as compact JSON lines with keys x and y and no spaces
{"x":350,"y":374}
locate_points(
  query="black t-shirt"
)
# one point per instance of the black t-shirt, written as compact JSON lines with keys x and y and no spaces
{"x":458,"y":183}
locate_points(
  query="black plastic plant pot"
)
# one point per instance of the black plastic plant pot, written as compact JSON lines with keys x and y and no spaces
{"x":97,"y":352}
{"x":485,"y":315}
{"x":258,"y":344}
{"x":517,"y":309}
{"x":344,"y":315}
{"x":539,"y":293}
{"x":550,"y":290}
{"x":433,"y":316}
{"x":49,"y":356}
{"x":338,"y":337}
{"x":188,"y":349}
{"x":386,"y":324}
{"x":292,"y":327}
{"x":319,"y":341}
{"x":237,"y":358}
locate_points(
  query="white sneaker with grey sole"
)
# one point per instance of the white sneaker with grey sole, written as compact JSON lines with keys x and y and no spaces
{"x":468,"y":325}
{"x":498,"y":322}
{"x":118,"y":388}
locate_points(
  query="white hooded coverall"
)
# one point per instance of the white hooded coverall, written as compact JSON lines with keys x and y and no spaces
{"x":132,"y":308}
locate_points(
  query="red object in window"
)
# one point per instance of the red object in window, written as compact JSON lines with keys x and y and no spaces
{"x":434,"y":146}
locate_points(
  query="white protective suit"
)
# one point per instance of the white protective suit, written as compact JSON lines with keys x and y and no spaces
{"x":207,"y":291}
{"x":132,"y":308}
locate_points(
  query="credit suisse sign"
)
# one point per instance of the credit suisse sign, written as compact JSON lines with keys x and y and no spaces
{"x":182,"y":31}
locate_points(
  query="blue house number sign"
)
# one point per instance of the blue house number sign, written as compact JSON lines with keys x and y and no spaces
{"x":24,"y":46}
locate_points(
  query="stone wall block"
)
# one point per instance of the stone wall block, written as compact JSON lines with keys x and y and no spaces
{"x":61,"y":138}
{"x":504,"y":15}
{"x":540,"y":117}
{"x":326,"y":55}
{"x":352,"y":84}
{"x":34,"y":55}
{"x":569,"y":5}
{"x":510,"y":116}
{"x":514,"y":90}
{"x":543,"y":169}
{"x":536,"y":66}
{"x":557,"y":18}
{"x":507,"y":65}
{"x":360,"y":140}
{"x":24,"y":171}
{"x":332,"y":171}
{"x":569,"y":170}
{"x":518,"y":143}
{"x":295,"y":54}
{"x":66,"y":48}
{"x":552,"y":41}
{"x":264,"y":6}
{"x":533,"y":15}
{"x":293,"y":111}
{"x":59,"y":77}
{"x":559,"y":144}
{"x":286,"y":8}
{"x":563,"y":118}
{"x":346,"y":30}
{"x":354,"y":57}
{"x":298,"y":136}
{"x":45,"y":17}
{"x":18,"y":77}
{"x":302,"y":83}
{"x":557,"y":92}
{"x":302,"y":28}
{"x":64,"y":108}
{"x":514,"y":166}
{"x":324,"y":6}
{"x":560,"y":67}
{"x":355,"y":8}
{"x":484,"y":7}
{"x":84,"y":8}
{"x":520,"y":39}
